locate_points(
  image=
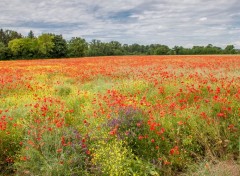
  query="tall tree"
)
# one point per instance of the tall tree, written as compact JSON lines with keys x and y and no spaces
{"x":8,"y":35}
{"x":46,"y":45}
{"x":96,"y":48}
{"x":77,"y":47}
{"x":59,"y":49}
{"x":161,"y":50}
{"x":31,"y":34}
{"x":114,"y":48}
{"x":230,"y":49}
{"x":5,"y":52}
{"x":176,"y":50}
{"x":2,"y":36}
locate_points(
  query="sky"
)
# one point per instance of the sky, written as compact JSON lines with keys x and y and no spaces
{"x":170,"y":22}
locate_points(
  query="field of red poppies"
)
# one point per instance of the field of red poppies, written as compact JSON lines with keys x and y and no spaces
{"x":131,"y":115}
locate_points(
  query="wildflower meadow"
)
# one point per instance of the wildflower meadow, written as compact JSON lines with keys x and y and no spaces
{"x":120,"y":115}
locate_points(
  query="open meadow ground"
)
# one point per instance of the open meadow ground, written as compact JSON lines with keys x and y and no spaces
{"x":125,"y":115}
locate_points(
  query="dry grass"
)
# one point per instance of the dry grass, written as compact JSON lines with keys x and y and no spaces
{"x":220,"y":168}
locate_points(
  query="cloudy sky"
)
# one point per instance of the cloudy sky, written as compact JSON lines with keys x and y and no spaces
{"x":170,"y":22}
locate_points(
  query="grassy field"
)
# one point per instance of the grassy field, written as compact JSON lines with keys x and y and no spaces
{"x":131,"y":115}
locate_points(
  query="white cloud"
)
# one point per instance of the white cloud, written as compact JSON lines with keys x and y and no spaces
{"x":236,"y":43}
{"x":203,"y":19}
{"x":128,"y":21}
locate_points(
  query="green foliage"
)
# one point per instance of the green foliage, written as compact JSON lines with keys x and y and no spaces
{"x":50,"y":146}
{"x":77,"y":47}
{"x":96,"y":48}
{"x":229,"y":50}
{"x":46,"y":44}
{"x":157,"y":49}
{"x":114,"y":48}
{"x":59,"y":49}
{"x":55,"y":46}
{"x":8,"y":35}
{"x":130,"y":124}
{"x":5,"y":52}
{"x":209,"y":49}
{"x":24,"y":47}
{"x":58,"y":152}
{"x":112,"y":158}
{"x":31,"y":34}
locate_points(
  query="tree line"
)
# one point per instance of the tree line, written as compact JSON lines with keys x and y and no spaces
{"x":14,"y":45}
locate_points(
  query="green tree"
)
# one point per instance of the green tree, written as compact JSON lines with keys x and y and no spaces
{"x":198,"y":49}
{"x":125,"y":49}
{"x":230,"y":50}
{"x":5,"y":52}
{"x":184,"y":51}
{"x":161,"y":50}
{"x":59,"y":49}
{"x":96,"y":48}
{"x":210,"y":49}
{"x":31,"y":34}
{"x":77,"y":47}
{"x":45,"y":45}
{"x":135,"y":49}
{"x":23,"y":47}
{"x":16,"y":47}
{"x":31,"y":48}
{"x":114,"y":48}
{"x":2,"y":36}
{"x":8,"y":35}
{"x":176,"y":49}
